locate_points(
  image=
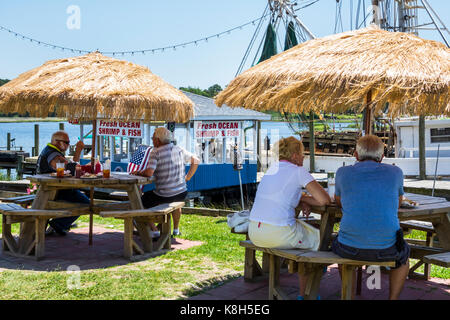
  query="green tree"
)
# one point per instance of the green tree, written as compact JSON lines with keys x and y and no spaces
{"x":214,"y":90}
{"x":3,"y":81}
{"x":211,"y":92}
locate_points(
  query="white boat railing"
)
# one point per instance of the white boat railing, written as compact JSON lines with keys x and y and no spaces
{"x":403,"y":151}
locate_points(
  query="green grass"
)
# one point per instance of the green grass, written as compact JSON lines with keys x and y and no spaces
{"x":175,"y":275}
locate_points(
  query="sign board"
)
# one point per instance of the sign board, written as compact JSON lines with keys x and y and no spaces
{"x":217,"y":129}
{"x":130,"y":129}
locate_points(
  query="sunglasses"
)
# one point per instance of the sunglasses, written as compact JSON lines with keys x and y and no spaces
{"x":66,"y":142}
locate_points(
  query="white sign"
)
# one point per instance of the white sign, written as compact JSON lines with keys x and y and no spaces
{"x":217,"y":129}
{"x":131,"y":129}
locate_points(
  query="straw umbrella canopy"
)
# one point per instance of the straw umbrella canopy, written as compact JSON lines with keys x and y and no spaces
{"x":352,"y":70}
{"x":94,"y":86}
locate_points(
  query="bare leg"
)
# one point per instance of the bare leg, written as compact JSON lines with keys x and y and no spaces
{"x":176,"y":216}
{"x":397,"y":279}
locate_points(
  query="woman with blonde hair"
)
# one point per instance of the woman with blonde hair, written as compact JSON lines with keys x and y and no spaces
{"x":273,"y":223}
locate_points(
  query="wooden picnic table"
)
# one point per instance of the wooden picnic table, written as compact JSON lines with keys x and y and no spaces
{"x":32,"y":230}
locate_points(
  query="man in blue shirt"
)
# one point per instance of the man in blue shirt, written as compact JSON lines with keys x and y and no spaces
{"x":370,"y":194}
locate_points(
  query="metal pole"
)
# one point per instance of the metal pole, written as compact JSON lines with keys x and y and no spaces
{"x":299,"y":22}
{"x":425,"y":4}
{"x":435,"y":170}
{"x":242,"y":194}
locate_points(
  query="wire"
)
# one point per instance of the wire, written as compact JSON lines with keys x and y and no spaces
{"x":127,"y":52}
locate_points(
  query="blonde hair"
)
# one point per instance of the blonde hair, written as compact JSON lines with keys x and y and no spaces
{"x":370,"y":147}
{"x":286,"y":147}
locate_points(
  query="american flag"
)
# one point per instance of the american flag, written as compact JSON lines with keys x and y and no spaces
{"x":139,"y":159}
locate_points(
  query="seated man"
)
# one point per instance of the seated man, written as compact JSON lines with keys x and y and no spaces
{"x":370,"y":194}
{"x":167,"y":165}
{"x":49,"y":157}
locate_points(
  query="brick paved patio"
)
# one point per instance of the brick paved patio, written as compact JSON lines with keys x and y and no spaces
{"x":73,"y":249}
{"x":435,"y":289}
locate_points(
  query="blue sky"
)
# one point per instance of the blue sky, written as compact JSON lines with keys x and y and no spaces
{"x":115,"y":25}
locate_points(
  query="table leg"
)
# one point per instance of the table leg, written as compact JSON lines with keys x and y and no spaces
{"x":40,"y":238}
{"x":326,"y":229}
{"x":134,"y":195}
{"x":128,"y":238}
{"x":443,"y":231}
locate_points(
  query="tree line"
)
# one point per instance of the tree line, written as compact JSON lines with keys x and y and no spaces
{"x":211,"y":92}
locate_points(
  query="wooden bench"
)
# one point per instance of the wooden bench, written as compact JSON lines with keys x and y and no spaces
{"x":427,"y":227}
{"x":29,"y":242}
{"x":311,"y":263}
{"x":141,"y":219}
{"x":24,"y":201}
{"x":252,"y":268}
{"x":440,"y":259}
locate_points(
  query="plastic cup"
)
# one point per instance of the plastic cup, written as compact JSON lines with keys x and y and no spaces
{"x":106,"y":170}
{"x":60,"y":170}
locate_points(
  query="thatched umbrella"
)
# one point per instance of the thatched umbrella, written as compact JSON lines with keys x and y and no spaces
{"x":362,"y":69}
{"x":94,"y":86}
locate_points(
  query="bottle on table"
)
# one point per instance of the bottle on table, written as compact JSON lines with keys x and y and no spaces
{"x":331,"y":184}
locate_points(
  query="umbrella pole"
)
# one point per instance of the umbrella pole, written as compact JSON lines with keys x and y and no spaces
{"x":368,"y":115}
{"x":91,"y":190}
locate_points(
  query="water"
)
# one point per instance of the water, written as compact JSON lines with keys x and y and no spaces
{"x":23,"y":133}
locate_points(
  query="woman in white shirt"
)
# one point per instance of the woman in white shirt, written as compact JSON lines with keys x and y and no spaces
{"x":272,"y":219}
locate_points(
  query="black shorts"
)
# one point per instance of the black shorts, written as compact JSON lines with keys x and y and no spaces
{"x":151,"y":199}
{"x":399,"y":252}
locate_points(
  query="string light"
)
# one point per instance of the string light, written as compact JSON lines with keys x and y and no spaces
{"x":174,"y":47}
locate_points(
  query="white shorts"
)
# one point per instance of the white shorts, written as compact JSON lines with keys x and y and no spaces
{"x":297,"y":236}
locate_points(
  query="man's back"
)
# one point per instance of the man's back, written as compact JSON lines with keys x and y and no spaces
{"x":168,"y":161}
{"x":369,"y":193}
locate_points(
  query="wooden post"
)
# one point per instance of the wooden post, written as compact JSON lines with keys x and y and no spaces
{"x":20,"y":167}
{"x":82,"y":139}
{"x":367,"y":125}
{"x":312,"y":143}
{"x":422,"y":168}
{"x":36,"y":140}
{"x":8,"y":147}
{"x":91,"y":190}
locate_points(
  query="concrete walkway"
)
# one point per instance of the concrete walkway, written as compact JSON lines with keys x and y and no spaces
{"x":434,"y":289}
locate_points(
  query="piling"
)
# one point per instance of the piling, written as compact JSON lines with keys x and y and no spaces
{"x":36,"y":140}
{"x":8,"y":147}
{"x":19,"y":169}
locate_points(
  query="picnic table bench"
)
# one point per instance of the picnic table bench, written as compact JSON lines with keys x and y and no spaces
{"x":434,"y":211}
{"x":158,"y":214}
{"x":311,"y":263}
{"x":14,"y":213}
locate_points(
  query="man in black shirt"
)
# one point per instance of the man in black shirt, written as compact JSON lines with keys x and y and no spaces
{"x":52,"y":154}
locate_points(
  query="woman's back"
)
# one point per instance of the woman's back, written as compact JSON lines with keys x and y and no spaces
{"x":278,"y":194}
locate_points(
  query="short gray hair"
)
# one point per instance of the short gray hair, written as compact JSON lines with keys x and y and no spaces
{"x":370,"y":147}
{"x":163,"y":134}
